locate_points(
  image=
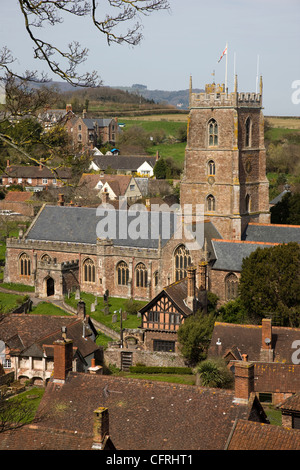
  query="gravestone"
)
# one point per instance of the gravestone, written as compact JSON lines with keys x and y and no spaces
{"x":114,"y":318}
{"x":92,"y":307}
{"x":77,"y":294}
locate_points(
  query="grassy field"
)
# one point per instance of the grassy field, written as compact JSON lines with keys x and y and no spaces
{"x":115,"y":304}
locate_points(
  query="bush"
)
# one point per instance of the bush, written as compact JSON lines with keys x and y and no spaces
{"x":214,"y":373}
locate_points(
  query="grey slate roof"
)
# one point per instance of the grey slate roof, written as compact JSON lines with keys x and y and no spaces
{"x":279,"y":197}
{"x":123,"y":162}
{"x":90,"y":123}
{"x":272,"y":233}
{"x":229,"y":255}
{"x":80,"y":225}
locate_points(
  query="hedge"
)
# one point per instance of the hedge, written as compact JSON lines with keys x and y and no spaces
{"x":160,"y":370}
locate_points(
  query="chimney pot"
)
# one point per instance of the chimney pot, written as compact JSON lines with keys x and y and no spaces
{"x":63,"y":358}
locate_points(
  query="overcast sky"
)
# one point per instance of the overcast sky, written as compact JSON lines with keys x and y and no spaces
{"x":186,"y":41}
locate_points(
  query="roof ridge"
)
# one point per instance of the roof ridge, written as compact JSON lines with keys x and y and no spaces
{"x":244,"y":242}
{"x":274,"y":225}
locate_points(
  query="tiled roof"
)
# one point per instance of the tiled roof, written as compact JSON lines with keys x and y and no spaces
{"x":118,"y":183}
{"x":143,"y":415}
{"x":292,"y":403}
{"x":18,"y":196}
{"x":272,"y":233}
{"x":32,"y":171}
{"x":28,"y":334}
{"x":248,"y":339}
{"x":249,"y":435}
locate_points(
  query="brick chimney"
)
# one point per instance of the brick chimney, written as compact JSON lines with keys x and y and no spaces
{"x":105,"y":197}
{"x":68,"y":108}
{"x":100,"y":428}
{"x":244,"y":380}
{"x":61,"y":200}
{"x":266,"y":351}
{"x":94,"y":369}
{"x":63,"y":357}
{"x":191,"y":288}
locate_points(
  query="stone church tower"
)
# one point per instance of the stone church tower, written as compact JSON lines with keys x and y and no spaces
{"x":225,"y":159}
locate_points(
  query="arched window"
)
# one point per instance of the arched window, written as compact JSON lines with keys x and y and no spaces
{"x":182,"y":261}
{"x":213,"y":133}
{"x":231,"y":286}
{"x":248,"y":132}
{"x":46,"y":258}
{"x":155,"y":278}
{"x":141,"y":275}
{"x":24,"y":265}
{"x":210,"y":203}
{"x":248,"y":203}
{"x":122,"y":274}
{"x":211,"y":168}
{"x":89,"y":272}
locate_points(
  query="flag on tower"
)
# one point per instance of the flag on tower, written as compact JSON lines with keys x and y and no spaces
{"x":223,"y":53}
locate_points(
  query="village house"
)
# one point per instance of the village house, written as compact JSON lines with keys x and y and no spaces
{"x":269,"y":348}
{"x":26,"y":344}
{"x":142,"y":165}
{"x":50,"y":118}
{"x":135,"y":414}
{"x":34,"y":177}
{"x":87,"y":133}
{"x":116,"y":186}
{"x":18,"y":202}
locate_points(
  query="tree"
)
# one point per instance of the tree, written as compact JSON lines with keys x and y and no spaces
{"x":107,"y":20}
{"x":270,"y":284}
{"x":287,"y":211}
{"x":160,"y":169}
{"x":194,"y":336}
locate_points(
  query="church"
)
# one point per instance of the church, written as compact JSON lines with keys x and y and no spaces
{"x":225,"y":188}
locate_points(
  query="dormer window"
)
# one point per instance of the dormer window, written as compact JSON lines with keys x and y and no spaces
{"x":212,"y":133}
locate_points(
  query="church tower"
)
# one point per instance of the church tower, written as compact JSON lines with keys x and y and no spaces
{"x":225,"y":159}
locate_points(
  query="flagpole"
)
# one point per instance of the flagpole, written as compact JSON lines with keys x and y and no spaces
{"x":226,"y":68}
{"x":257,"y":72}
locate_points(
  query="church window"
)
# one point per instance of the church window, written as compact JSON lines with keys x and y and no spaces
{"x":247,"y":203}
{"x":248,"y":132}
{"x":212,"y":133}
{"x":89,"y":274}
{"x":155,"y":277}
{"x":231,"y":286}
{"x":182,"y":261}
{"x":210,"y":203}
{"x":24,"y":265}
{"x":141,"y":275}
{"x":122,"y":274}
{"x":46,"y":258}
{"x":211,"y":168}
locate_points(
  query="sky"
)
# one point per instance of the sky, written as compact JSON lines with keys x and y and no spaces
{"x":263,"y":38}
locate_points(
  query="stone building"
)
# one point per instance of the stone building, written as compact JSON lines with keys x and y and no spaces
{"x":137,"y":254}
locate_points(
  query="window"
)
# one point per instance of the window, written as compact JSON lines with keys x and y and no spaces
{"x":132,"y":187}
{"x":122,"y":274}
{"x":141,"y":275}
{"x":24,"y":265}
{"x":231,"y":286}
{"x":212,"y":133}
{"x":211,"y":167}
{"x":20,"y":180}
{"x":210,"y":203}
{"x":153,"y":316}
{"x":46,"y":258}
{"x":29,"y":180}
{"x":182,"y":261}
{"x":247,"y":203}
{"x":45,"y":180}
{"x":248,"y":132}
{"x":54,"y":181}
{"x":7,"y":363}
{"x":89,"y":270}
{"x":155,"y":278}
{"x":79,"y":127}
{"x":166,"y":346}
